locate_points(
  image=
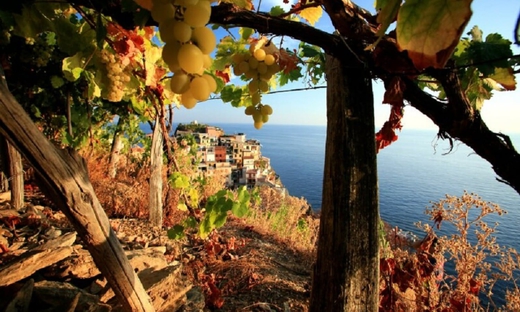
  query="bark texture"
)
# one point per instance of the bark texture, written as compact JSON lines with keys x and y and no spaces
{"x":156,"y":187}
{"x":64,"y":179}
{"x":16,"y":177}
{"x":346,"y":275}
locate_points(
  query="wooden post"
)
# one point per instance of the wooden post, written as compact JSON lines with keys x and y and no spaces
{"x":64,"y":179}
{"x":346,"y":275}
{"x":16,"y":177}
{"x":156,"y":185}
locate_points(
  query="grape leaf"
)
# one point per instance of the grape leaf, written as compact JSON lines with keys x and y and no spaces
{"x":176,"y":232}
{"x":101,"y":32}
{"x":311,"y":14}
{"x":179,"y":181}
{"x":245,"y":32}
{"x":182,"y":207}
{"x":72,"y":67}
{"x":505,"y":77}
{"x":244,"y":4}
{"x":276,"y":11}
{"x":430,"y":30}
{"x":387,"y":13}
{"x":490,"y":54}
{"x":57,"y":82}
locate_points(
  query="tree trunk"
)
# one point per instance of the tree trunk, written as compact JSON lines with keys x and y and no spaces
{"x":346,"y":275}
{"x":156,"y":187}
{"x":4,"y":165}
{"x":117,"y":146}
{"x":64,"y":179}
{"x":16,"y":175}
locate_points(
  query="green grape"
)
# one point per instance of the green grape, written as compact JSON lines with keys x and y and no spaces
{"x":265,"y":118}
{"x":243,"y":66}
{"x":207,"y":61}
{"x":257,"y":116}
{"x":259,"y":55}
{"x":253,"y":63}
{"x":188,"y":100}
{"x":266,"y":110}
{"x":263,"y":86}
{"x":162,"y":12}
{"x":237,"y":58}
{"x":266,"y":76}
{"x":190,"y":58}
{"x":262,"y":68}
{"x":253,"y":86}
{"x":258,"y":125}
{"x":199,"y":88}
{"x":250,"y":110}
{"x":237,"y":71}
{"x":170,"y":55}
{"x":212,"y":84}
{"x":250,"y":74}
{"x":198,"y":15}
{"x":205,"y":39}
{"x":182,"y":31}
{"x":180,"y":83}
{"x":269,"y":59}
{"x":255,"y":98}
{"x":166,"y":30}
{"x":185,"y":3}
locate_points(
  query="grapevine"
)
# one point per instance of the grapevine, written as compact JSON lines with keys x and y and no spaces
{"x":258,"y":65}
{"x":188,"y":43}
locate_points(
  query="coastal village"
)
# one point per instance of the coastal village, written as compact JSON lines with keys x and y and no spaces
{"x":233,"y":156}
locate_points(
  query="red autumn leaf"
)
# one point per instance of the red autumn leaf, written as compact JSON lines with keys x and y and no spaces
{"x":394,"y":92}
{"x":474,"y":286}
{"x":214,"y":300}
{"x":11,"y":221}
{"x":387,"y":135}
{"x":223,"y":74}
{"x":287,"y":61}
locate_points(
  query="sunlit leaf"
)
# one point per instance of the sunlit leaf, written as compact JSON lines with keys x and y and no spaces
{"x":387,"y":14}
{"x":311,"y":14}
{"x":505,"y":77}
{"x":244,"y":4}
{"x":276,"y":11}
{"x":430,"y":30}
{"x":72,"y":67}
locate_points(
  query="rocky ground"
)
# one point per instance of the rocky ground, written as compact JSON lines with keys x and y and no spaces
{"x":45,"y":267}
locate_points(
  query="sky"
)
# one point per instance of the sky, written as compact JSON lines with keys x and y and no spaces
{"x":501,"y":113}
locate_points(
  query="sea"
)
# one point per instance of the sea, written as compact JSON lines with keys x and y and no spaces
{"x":413,"y":172}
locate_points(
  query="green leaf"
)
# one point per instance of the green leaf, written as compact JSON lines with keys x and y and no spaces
{"x":190,"y":222}
{"x":176,"y":232}
{"x":245,"y":32}
{"x":490,"y":54}
{"x":72,"y":67}
{"x":387,"y":12}
{"x":430,"y":30}
{"x":182,"y":207}
{"x":179,"y":181}
{"x":276,"y":11}
{"x":36,"y":111}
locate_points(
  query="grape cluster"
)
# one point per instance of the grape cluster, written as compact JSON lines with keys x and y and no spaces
{"x":188,"y":44}
{"x":258,"y":65}
{"x":117,"y":76}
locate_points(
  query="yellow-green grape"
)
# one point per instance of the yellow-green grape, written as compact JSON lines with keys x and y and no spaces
{"x":204,"y":38}
{"x":166,"y":30}
{"x":258,"y":125}
{"x":206,"y":61}
{"x":253,"y":86}
{"x":261,"y":68}
{"x":253,"y":63}
{"x":198,"y":15}
{"x":269,"y":59}
{"x":237,"y":71}
{"x":170,"y":55}
{"x":263,"y":86}
{"x":266,"y":110}
{"x":273,"y":69}
{"x":188,"y":100}
{"x":212,"y":84}
{"x":243,"y":66}
{"x":257,"y":115}
{"x":255,"y":98}
{"x":180,"y":83}
{"x":185,"y":3}
{"x":237,"y":58}
{"x":182,"y":31}
{"x":265,"y":118}
{"x":266,"y":76}
{"x":259,"y":55}
{"x":199,"y":88}
{"x":162,"y":12}
{"x":250,"y":110}
{"x":251,"y":73}
{"x":190,"y":58}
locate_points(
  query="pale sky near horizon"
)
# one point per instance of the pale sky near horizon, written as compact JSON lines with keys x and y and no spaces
{"x":501,"y":113}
